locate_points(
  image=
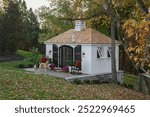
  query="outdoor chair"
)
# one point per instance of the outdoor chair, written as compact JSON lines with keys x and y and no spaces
{"x":76,"y":67}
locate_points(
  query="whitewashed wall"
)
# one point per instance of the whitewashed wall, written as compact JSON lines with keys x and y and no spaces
{"x":102,"y":65}
{"x":86,"y":59}
{"x":48,"y":48}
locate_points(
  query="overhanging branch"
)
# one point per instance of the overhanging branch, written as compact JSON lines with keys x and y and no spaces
{"x":142,"y":6}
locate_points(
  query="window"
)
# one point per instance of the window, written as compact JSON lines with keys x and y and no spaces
{"x":109,"y":52}
{"x":100,"y":52}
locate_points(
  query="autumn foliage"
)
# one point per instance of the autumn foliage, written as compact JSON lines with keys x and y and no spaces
{"x":137,"y":42}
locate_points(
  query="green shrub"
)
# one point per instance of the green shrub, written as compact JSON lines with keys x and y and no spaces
{"x":95,"y":82}
{"x":30,"y":65}
{"x":25,"y":54}
{"x":20,"y":65}
{"x":87,"y":81}
{"x":129,"y":86}
{"x":77,"y":81}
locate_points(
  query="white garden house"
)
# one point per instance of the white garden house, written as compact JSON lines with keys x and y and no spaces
{"x":89,"y":46}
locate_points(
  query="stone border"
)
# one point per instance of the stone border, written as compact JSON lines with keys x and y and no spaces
{"x":102,"y":78}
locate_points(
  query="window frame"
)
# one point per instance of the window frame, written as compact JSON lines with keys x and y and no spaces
{"x":100,"y":52}
{"x":109,"y":49}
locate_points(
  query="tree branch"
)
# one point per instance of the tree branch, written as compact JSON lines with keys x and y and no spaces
{"x":142,"y":6}
{"x":82,"y":18}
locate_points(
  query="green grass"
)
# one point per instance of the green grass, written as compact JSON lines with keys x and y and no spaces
{"x":131,"y":80}
{"x":13,"y":65}
{"x":21,"y":85}
{"x":16,"y":83}
{"x":25,"y":54}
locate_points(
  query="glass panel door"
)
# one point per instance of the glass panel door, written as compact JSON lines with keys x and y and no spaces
{"x":55,"y":54}
{"x":78,"y":53}
{"x":66,"y":54}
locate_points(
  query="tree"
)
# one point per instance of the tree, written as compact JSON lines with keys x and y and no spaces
{"x":50,"y":23}
{"x":138,"y":33}
{"x":112,"y":15}
{"x":31,"y":27}
{"x":11,"y":28}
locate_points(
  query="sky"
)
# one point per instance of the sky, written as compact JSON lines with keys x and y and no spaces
{"x":35,"y":4}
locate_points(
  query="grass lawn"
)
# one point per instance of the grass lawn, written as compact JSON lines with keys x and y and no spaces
{"x":18,"y":84}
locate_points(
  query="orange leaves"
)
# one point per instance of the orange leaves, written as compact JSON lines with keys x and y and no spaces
{"x":137,"y":34}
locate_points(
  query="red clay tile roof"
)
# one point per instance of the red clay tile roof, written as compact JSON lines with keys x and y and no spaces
{"x":85,"y":36}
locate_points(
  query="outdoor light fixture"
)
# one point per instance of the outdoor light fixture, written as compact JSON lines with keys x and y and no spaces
{"x":83,"y":54}
{"x":50,"y":52}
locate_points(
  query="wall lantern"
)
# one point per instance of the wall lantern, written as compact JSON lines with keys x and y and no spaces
{"x":83,"y":54}
{"x":50,"y":52}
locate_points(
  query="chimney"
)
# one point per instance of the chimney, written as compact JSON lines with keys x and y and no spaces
{"x":79,"y":25}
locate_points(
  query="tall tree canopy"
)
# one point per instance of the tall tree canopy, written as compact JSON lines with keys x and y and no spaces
{"x":11,"y":28}
{"x":19,"y":27}
{"x":31,"y":27}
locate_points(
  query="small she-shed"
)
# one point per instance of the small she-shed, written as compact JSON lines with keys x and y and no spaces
{"x":89,"y":46}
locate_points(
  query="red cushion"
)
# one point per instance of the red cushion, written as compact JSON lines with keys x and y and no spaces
{"x":77,"y":64}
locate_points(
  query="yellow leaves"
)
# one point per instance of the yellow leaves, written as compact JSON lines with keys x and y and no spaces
{"x":131,"y":57}
{"x":135,"y":59}
{"x":138,"y":51}
{"x":148,"y":15}
{"x":130,"y":49}
{"x":137,"y":34}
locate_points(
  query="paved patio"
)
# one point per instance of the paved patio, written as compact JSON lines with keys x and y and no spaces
{"x":104,"y":77}
{"x":57,"y":73}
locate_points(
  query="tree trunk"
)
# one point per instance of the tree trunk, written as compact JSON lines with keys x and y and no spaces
{"x":140,"y":83}
{"x":113,"y":53}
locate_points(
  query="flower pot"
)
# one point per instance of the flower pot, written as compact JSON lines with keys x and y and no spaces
{"x":52,"y":66}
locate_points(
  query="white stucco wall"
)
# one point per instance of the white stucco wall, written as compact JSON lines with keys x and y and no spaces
{"x":102,"y":65}
{"x":48,"y":48}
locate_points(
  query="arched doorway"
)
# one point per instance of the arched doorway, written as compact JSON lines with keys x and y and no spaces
{"x":65,"y":55}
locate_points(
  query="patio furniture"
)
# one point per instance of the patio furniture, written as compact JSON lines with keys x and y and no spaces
{"x":76,"y":67}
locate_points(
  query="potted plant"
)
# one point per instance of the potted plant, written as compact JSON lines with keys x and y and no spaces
{"x":65,"y":69}
{"x":52,"y":66}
